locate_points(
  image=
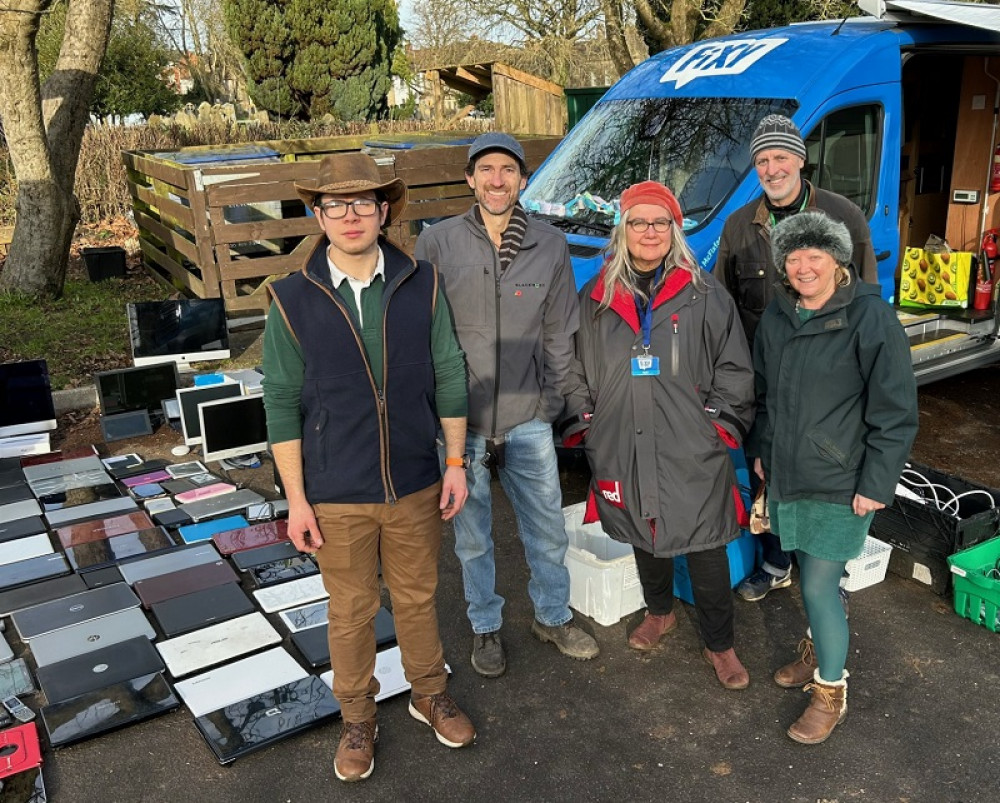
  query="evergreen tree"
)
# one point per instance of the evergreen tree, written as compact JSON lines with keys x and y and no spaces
{"x":306,"y":59}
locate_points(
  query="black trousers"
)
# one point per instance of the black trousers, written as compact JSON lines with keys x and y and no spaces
{"x":713,"y":595}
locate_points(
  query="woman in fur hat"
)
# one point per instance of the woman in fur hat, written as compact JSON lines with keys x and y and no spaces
{"x":836,"y":416}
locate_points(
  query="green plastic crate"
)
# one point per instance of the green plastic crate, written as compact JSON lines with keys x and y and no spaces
{"x":977,"y":587}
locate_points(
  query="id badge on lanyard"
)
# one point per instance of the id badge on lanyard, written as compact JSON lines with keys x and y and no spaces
{"x":647,"y":364}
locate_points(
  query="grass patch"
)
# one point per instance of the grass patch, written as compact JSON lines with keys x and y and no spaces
{"x":83,"y":332}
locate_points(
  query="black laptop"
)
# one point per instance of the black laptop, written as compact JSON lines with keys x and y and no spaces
{"x":37,"y":593}
{"x":102,"y":577}
{"x":201,"y":608}
{"x":57,"y":614}
{"x":280,"y":571}
{"x":264,"y":719}
{"x":33,"y":525}
{"x":31,"y":570}
{"x":102,"y":710}
{"x":264,"y":554}
{"x":314,"y":645}
{"x":95,"y":670}
{"x":108,"y":551}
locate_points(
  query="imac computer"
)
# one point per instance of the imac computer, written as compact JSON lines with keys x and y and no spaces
{"x":181,"y":331}
{"x":25,"y":398}
{"x":233,"y":428}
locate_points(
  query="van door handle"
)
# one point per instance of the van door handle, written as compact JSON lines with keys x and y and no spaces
{"x":882,"y":256}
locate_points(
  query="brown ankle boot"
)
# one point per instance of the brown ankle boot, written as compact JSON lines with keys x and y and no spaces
{"x":827,"y":709}
{"x":728,"y":669}
{"x":800,"y":671}
{"x":649,"y":632}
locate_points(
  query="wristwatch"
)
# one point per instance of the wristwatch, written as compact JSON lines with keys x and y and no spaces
{"x":459,"y":462}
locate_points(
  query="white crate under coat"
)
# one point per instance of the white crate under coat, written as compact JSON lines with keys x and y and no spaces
{"x":603,"y":579}
{"x":870,"y":566}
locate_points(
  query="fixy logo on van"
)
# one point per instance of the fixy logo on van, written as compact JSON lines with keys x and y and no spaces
{"x":719,"y":58}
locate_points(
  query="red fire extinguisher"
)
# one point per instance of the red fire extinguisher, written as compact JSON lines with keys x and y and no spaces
{"x":987,"y":268}
{"x":995,"y":173}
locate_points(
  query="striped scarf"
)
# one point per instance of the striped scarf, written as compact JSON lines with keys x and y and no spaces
{"x":513,"y":236}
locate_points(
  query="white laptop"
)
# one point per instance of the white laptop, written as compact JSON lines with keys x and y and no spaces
{"x":90,"y":636}
{"x":24,"y":509}
{"x":217,"y":644}
{"x":30,"y":546}
{"x":306,"y":616}
{"x":388,"y":671}
{"x":239,"y":680}
{"x":172,"y":561}
{"x":291,"y":594}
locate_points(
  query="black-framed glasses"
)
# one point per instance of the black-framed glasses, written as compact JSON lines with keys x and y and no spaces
{"x":363,"y":207}
{"x":659,"y":225}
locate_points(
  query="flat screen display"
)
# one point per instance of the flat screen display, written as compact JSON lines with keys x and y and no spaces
{"x":190,"y":398}
{"x":25,"y":398}
{"x":233,"y":427}
{"x":181,"y":331}
{"x":142,"y":388}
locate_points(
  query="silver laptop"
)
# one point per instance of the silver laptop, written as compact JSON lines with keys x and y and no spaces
{"x":172,"y":561}
{"x":24,"y":509}
{"x":306,"y":616}
{"x":217,"y":644}
{"x":61,"y":483}
{"x":59,"y":467}
{"x":31,"y":546}
{"x":239,"y":680}
{"x":289,"y":595}
{"x":388,"y":672}
{"x":89,"y":636}
{"x":202,"y":509}
{"x":91,"y":510}
{"x":57,"y":614}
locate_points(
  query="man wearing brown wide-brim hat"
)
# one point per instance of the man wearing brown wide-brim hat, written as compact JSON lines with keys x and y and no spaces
{"x":361,"y":367}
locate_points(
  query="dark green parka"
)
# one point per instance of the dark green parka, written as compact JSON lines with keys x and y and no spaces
{"x":836,"y":397}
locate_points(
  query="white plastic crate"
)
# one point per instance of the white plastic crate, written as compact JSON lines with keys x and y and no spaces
{"x":603,"y":579}
{"x":870,"y":566}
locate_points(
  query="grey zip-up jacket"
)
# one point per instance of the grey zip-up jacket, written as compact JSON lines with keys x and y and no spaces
{"x":662,"y":476}
{"x":516,"y":328}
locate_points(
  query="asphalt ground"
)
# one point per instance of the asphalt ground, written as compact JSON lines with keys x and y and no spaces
{"x":923,"y":722}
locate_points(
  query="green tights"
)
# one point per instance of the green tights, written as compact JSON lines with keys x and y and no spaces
{"x":820,"y":580}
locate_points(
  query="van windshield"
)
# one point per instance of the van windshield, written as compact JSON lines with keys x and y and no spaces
{"x":699,"y":147}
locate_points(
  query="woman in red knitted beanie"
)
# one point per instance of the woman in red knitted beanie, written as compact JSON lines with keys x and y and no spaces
{"x":663,"y":365}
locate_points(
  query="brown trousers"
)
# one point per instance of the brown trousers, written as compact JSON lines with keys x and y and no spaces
{"x":406,"y":537}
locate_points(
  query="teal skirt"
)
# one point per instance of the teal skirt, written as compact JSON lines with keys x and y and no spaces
{"x":822,"y":529}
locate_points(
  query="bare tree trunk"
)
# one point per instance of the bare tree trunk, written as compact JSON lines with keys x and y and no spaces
{"x":614,"y":33}
{"x":44,"y":128}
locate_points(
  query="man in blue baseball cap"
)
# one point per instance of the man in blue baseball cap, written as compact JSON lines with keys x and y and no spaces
{"x":510,"y":284}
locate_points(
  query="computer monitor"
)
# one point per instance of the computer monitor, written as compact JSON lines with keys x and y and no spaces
{"x":25,"y":398}
{"x":190,"y":398}
{"x":142,"y":388}
{"x":233,"y":428}
{"x":180,"y":331}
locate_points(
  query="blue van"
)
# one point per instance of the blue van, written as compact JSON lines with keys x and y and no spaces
{"x":899,"y":112}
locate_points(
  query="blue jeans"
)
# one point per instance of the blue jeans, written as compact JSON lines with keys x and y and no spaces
{"x":530,"y":478}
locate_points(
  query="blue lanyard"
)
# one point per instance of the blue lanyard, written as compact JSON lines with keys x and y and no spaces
{"x":645,"y":313}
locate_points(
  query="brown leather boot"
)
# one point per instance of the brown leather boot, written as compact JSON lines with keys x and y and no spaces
{"x":800,"y":671}
{"x":827,"y":709}
{"x":649,"y":632}
{"x":728,"y":669}
{"x":355,"y":757}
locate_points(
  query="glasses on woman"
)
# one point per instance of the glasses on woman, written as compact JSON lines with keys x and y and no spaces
{"x":659,"y":225}
{"x":363,"y":207}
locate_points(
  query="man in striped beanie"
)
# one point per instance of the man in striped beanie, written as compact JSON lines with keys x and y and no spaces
{"x":745,"y":267}
{"x":510,"y":284}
